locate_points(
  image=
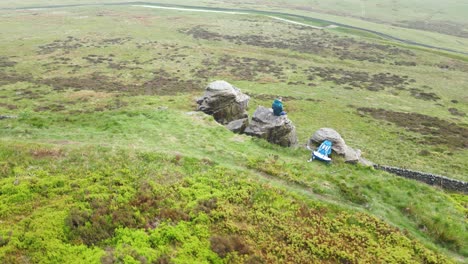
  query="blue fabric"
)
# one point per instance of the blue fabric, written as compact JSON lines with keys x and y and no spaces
{"x":277,"y":107}
{"x":325,"y":148}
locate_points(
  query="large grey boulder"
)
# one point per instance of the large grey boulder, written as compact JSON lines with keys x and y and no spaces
{"x":339,"y":146}
{"x":275,"y":129}
{"x":225,"y":102}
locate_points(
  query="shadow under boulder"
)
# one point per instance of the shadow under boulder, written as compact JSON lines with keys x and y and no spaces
{"x":225,"y":102}
{"x":339,"y":146}
{"x":275,"y":129}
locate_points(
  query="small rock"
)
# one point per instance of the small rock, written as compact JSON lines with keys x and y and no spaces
{"x":238,"y":126}
{"x":351,"y":155}
{"x":7,"y":117}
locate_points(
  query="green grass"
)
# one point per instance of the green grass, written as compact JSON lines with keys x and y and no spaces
{"x":191,"y":202}
{"x":108,"y":162}
{"x":426,"y":23}
{"x":386,"y":11}
{"x":421,"y":36}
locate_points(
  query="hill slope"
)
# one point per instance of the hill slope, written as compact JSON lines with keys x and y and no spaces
{"x":106,"y":162}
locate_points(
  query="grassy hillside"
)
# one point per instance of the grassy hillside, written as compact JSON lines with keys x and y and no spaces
{"x":106,"y":162}
{"x":99,"y":204}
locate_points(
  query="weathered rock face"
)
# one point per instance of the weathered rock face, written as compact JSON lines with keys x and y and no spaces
{"x":238,"y":126}
{"x":275,"y":129}
{"x":225,"y":102}
{"x":339,"y":146}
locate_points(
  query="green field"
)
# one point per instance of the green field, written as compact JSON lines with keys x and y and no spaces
{"x":435,"y":23}
{"x":447,"y":17}
{"x":452,"y":12}
{"x":107,"y":162}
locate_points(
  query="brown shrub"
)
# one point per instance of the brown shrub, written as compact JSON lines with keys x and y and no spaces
{"x":223,"y":245}
{"x":435,"y":130}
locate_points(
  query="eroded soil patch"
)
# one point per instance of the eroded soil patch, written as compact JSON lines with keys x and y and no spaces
{"x":436,"y":131}
{"x":51,"y":107}
{"x":6,"y":62}
{"x":456,"y":112}
{"x":8,"y":106}
{"x":111,"y":62}
{"x":359,"y":79}
{"x":453,"y":65}
{"x":46,"y":153}
{"x":58,"y":50}
{"x":241,"y":68}
{"x":321,"y":43}
{"x":96,"y":82}
{"x":13,"y":77}
{"x":163,"y":83}
{"x":72,"y":43}
{"x":270,"y":97}
{"x":421,"y":94}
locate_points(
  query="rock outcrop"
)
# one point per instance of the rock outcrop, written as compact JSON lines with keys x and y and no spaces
{"x":224,"y":101}
{"x":238,"y":126}
{"x":339,"y":146}
{"x":7,"y":117}
{"x":275,"y":129}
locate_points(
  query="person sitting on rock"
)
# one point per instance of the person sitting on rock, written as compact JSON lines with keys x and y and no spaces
{"x":278,"y":107}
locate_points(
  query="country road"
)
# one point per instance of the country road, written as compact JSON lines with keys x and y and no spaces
{"x":271,"y":14}
{"x":225,"y":12}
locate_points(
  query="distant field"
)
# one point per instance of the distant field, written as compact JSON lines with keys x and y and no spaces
{"x":448,"y":17}
{"x":411,"y":29}
{"x":107,"y":160}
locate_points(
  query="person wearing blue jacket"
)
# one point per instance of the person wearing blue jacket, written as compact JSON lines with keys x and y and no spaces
{"x":278,"y":107}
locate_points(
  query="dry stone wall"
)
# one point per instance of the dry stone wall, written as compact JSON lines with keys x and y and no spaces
{"x":431,"y":179}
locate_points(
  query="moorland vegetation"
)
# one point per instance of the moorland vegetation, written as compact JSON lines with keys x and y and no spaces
{"x":107,"y":162}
